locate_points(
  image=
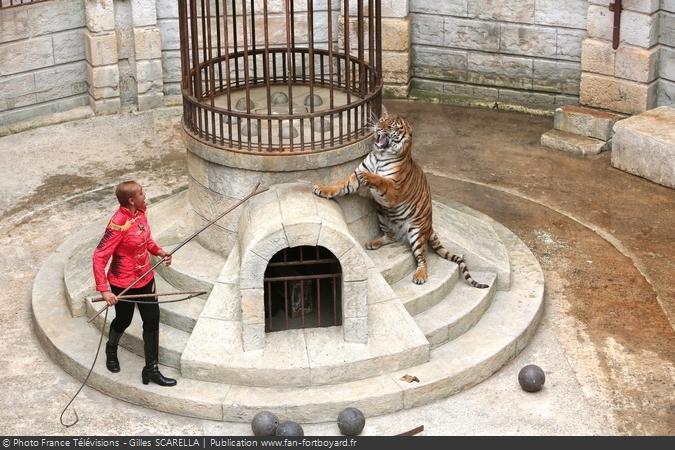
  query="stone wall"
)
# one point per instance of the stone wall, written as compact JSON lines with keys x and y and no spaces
{"x":42,"y":59}
{"x":666,"y":87}
{"x":524,"y":52}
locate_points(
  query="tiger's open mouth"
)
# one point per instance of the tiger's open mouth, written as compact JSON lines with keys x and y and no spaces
{"x":382,"y":140}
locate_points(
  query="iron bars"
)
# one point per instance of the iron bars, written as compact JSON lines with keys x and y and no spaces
{"x":281,"y":76}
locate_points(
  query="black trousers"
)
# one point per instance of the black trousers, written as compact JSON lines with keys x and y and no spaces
{"x":124,"y":311}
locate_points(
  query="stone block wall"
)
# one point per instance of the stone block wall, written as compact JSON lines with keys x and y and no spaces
{"x":666,"y":84}
{"x":524,"y":52}
{"x":42,"y":59}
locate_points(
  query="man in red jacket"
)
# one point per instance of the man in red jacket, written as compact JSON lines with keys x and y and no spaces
{"x":127,"y":239}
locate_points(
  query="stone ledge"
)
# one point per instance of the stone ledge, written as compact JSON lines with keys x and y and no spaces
{"x":585,"y":121}
{"x":573,"y":143}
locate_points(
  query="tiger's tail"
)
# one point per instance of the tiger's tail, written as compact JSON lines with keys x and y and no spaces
{"x":459,"y":260}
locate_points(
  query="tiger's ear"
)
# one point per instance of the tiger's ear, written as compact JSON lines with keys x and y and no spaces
{"x":385,"y":113}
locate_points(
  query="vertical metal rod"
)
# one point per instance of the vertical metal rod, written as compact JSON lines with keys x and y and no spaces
{"x":228,"y":81}
{"x":310,"y":36}
{"x":220,"y":55}
{"x":235,"y":48}
{"x":293,"y":37}
{"x":195,"y":61}
{"x":371,"y":45}
{"x":318,"y":301}
{"x":286,"y":299}
{"x":334,"y":301}
{"x":347,"y":63}
{"x":253,"y":47}
{"x":360,"y":44}
{"x":266,"y":70}
{"x":378,"y":38}
{"x":289,"y":27}
{"x":206,"y":69}
{"x":247,"y":85}
{"x":302,"y":303}
{"x":616,"y":7}
{"x":212,"y":74}
{"x":269,"y":304}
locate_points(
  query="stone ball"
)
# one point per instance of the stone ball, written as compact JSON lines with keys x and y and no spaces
{"x":286,"y":131}
{"x":289,"y":428}
{"x":351,"y":421}
{"x":531,"y":378}
{"x":279,"y":98}
{"x":318,"y":101}
{"x":241,"y":104}
{"x":264,"y":424}
{"x":327,"y":125}
{"x":245,"y":128}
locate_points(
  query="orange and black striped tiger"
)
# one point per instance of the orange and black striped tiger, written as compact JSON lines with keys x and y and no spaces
{"x":400,"y":189}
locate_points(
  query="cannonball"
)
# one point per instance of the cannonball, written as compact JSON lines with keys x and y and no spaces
{"x":241,"y":104}
{"x":327,"y":125}
{"x":351,"y":421}
{"x":289,"y":428}
{"x":264,"y":424}
{"x":531,"y":378}
{"x":245,"y":128}
{"x":279,"y":98}
{"x":318,"y":101}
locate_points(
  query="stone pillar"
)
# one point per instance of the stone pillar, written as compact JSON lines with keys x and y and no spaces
{"x":396,"y":47}
{"x":621,"y":80}
{"x":101,"y":53}
{"x":148,"y":54}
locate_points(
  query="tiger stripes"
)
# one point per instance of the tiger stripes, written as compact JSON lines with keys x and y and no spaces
{"x":401,"y":191}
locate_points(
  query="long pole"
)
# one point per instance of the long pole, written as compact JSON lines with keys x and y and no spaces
{"x":255,"y":191}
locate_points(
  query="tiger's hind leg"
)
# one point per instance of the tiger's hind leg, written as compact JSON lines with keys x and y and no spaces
{"x":418,"y":242}
{"x":386,"y":238}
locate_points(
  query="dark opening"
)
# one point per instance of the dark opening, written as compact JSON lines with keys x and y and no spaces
{"x":303,"y":289}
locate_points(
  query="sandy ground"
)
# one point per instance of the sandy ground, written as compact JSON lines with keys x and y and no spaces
{"x":604,"y":239}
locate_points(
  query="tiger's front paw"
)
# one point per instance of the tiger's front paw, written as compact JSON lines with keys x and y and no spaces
{"x":324,"y":191}
{"x":420,"y":276}
{"x":363,"y":178}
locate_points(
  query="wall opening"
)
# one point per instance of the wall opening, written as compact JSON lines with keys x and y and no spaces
{"x":303,"y":289}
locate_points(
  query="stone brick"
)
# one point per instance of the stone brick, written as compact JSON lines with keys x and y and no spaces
{"x":253,"y":337}
{"x":666,"y":92}
{"x":667,"y":63}
{"x":587,"y":122}
{"x":427,"y":30}
{"x":667,"y":29}
{"x":396,"y":62}
{"x":597,"y":57}
{"x":396,"y":90}
{"x":22,"y":56}
{"x":556,"y":76}
{"x":355,"y":298}
{"x":14,"y":24}
{"x":471,"y":34}
{"x":105,"y":106}
{"x":444,"y":8}
{"x":355,"y":329}
{"x":149,"y":76}
{"x":614,"y":94}
{"x":636,"y":64}
{"x":68,"y":46}
{"x":667,"y":6}
{"x":637,"y":29}
{"x":100,"y":49}
{"x":521,"y":11}
{"x":56,"y":16}
{"x":147,"y":43}
{"x":395,"y":8}
{"x":470,"y":91}
{"x":568,"y":43}
{"x":143,"y":13}
{"x":573,"y":143}
{"x":396,"y":35}
{"x":536,"y":100}
{"x":100,"y":15}
{"x":644,"y":6}
{"x":428,"y":85}
{"x":499,"y":70}
{"x":17,"y":91}
{"x":171,"y":66}
{"x":104,"y":82}
{"x":570,"y":13}
{"x":167,"y":9}
{"x":170,"y":35}
{"x":61,"y":81}
{"x":644,"y":145}
{"x":528,"y":40}
{"x":252,"y":306}
{"x":563,"y":100}
{"x":439,"y":63}
{"x":32,"y":111}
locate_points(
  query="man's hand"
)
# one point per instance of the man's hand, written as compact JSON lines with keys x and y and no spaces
{"x":109,"y":298}
{"x":166,"y":257}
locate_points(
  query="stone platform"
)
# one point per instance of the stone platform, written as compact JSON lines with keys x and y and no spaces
{"x":456,"y":335}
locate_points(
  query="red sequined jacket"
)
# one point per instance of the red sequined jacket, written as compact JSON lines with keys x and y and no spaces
{"x":127,"y":239}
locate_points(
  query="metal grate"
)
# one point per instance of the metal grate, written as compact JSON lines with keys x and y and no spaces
{"x":303,"y":289}
{"x":241,"y":59}
{"x":14,"y":3}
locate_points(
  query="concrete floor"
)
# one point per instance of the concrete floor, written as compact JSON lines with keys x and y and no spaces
{"x":604,"y":238}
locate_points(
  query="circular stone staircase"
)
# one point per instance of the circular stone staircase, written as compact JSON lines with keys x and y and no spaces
{"x":468,"y":333}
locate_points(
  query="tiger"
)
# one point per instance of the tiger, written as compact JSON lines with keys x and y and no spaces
{"x":401,"y":191}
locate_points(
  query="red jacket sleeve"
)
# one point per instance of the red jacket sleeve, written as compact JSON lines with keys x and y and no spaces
{"x":153,"y":248}
{"x":104,"y":250}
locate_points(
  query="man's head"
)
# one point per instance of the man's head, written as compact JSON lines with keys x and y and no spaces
{"x":130,"y":194}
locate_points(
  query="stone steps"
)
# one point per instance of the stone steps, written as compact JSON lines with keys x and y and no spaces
{"x":443,"y":276}
{"x":573,"y":143}
{"x":457,"y":312}
{"x":193,"y":268}
{"x":498,"y":336}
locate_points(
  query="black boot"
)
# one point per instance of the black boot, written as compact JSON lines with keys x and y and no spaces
{"x":151,"y":370}
{"x":111,"y":361}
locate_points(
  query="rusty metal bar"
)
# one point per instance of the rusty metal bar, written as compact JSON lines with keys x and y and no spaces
{"x":310,"y":43}
{"x":289,"y":62}
{"x":616,"y":7}
{"x":15,"y":3}
{"x":318,"y":302}
{"x":266,"y":70}
{"x":235,"y":45}
{"x":228,"y":81}
{"x":286,"y":301}
{"x":269,"y":301}
{"x":247,"y":84}
{"x":347,"y":60}
{"x":334,"y":301}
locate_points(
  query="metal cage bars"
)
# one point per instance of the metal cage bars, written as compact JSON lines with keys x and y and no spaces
{"x":15,"y":3}
{"x":229,"y":48}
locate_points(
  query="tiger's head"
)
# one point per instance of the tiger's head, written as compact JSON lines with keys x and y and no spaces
{"x":393,"y":136}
